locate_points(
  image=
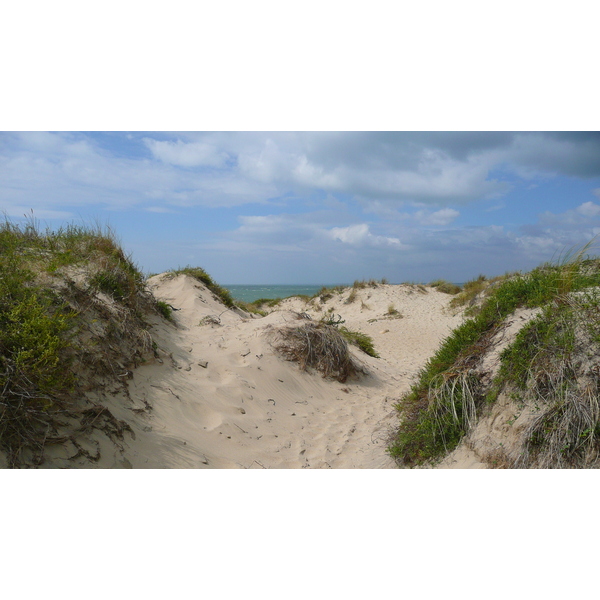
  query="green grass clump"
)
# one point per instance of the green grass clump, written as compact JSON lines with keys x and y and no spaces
{"x":445,"y":286}
{"x":201,"y":275}
{"x":164,"y":309}
{"x":360,"y":340}
{"x":544,"y":341}
{"x":370,"y":283}
{"x":256,"y":307}
{"x":326,"y":293}
{"x":270,"y":302}
{"x":433,"y":411}
{"x":351,"y":296}
{"x":393,"y":312}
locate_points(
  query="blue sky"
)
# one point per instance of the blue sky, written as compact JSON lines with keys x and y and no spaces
{"x":324,"y":207}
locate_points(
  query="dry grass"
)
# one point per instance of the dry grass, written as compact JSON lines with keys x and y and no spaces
{"x":565,"y":434}
{"x":318,"y":346}
{"x":351,"y":296}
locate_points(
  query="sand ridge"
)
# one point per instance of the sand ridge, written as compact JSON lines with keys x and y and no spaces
{"x":218,"y":394}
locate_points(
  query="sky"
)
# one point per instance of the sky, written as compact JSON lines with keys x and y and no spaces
{"x":315,"y":207}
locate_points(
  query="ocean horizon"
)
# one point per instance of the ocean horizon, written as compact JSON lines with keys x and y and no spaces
{"x":249,"y":293}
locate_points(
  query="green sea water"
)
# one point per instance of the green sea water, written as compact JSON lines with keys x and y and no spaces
{"x":249,"y":293}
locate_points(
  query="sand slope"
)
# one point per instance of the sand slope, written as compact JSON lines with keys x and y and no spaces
{"x":219,"y":395}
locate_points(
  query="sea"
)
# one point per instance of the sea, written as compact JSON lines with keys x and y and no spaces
{"x":249,"y":293}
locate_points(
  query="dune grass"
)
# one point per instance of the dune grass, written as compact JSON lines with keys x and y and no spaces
{"x":445,"y":286}
{"x":361,"y":340}
{"x":442,"y":405}
{"x":319,"y":346}
{"x":40,"y":320}
{"x":554,"y":365}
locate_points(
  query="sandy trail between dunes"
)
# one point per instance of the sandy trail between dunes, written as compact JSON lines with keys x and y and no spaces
{"x":221,"y":397}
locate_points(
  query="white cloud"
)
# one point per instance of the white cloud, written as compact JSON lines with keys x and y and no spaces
{"x":440,"y":218}
{"x":182,"y":154}
{"x":159,"y":209}
{"x":589,"y":209}
{"x":359,"y":235}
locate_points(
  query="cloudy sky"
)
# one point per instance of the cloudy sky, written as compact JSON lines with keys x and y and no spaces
{"x":316,"y":207}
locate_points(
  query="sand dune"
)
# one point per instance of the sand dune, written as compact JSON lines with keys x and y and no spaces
{"x":220,"y":396}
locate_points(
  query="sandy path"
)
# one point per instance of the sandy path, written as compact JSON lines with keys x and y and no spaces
{"x":221,"y":397}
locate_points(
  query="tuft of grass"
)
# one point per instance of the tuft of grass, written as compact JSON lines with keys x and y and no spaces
{"x":270,"y":302}
{"x":164,"y":309}
{"x":351,"y":296}
{"x":319,"y":346}
{"x":393,"y":312}
{"x":360,"y":340}
{"x":326,"y":293}
{"x":445,"y":286}
{"x":363,"y":284}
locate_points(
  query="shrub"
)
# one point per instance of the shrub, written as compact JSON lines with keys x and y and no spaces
{"x":319,"y":346}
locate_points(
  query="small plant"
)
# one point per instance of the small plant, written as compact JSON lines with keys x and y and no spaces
{"x":165,"y":310}
{"x":331,"y":320}
{"x":360,"y":340}
{"x":392,"y":312}
{"x":351,"y":296}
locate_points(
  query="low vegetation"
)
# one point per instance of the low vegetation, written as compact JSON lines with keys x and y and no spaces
{"x":54,"y":323}
{"x":393,"y":312}
{"x":361,"y":340}
{"x":445,"y":286}
{"x":318,"y":346}
{"x":554,"y":366}
{"x":550,"y":365}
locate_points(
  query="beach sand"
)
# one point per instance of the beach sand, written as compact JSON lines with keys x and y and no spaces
{"x":218,"y":395}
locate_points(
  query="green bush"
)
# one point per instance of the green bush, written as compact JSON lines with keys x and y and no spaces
{"x":165,"y":310}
